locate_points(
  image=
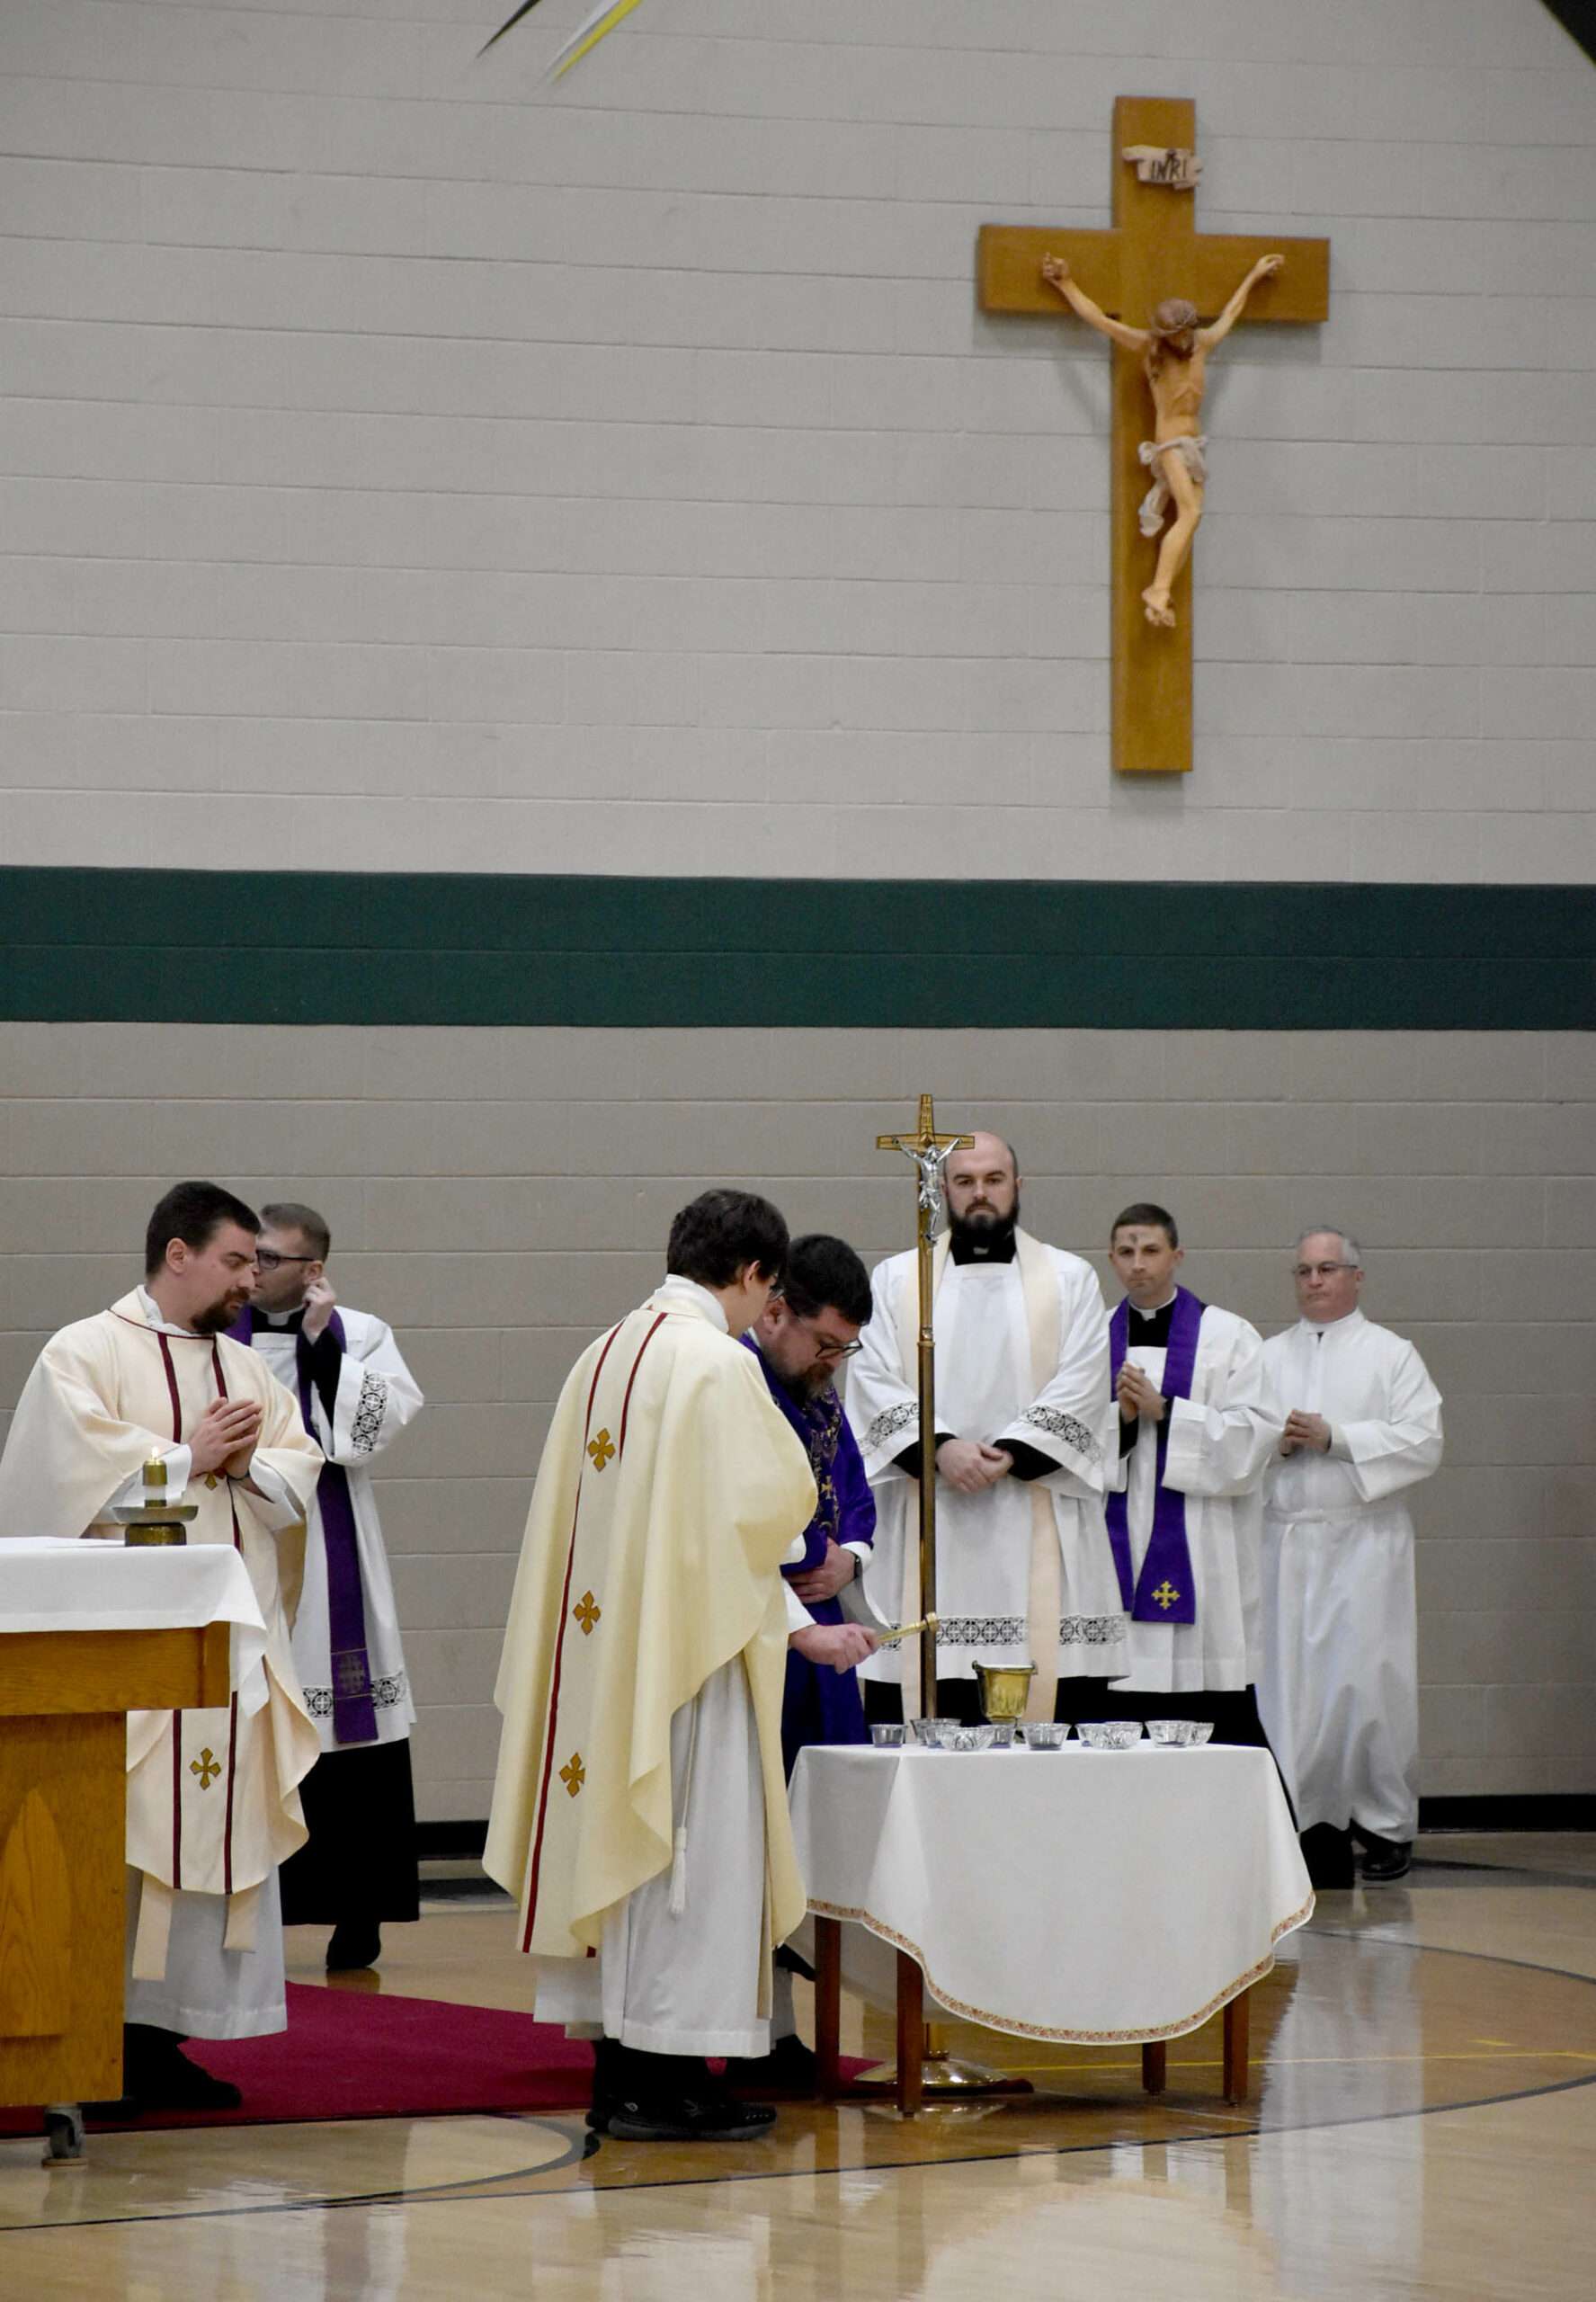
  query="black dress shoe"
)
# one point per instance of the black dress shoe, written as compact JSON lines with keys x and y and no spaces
{"x":173,"y":2083}
{"x":608,"y":2073}
{"x":1328,"y":1853}
{"x":790,"y":2067}
{"x":1384,"y":1860}
{"x":355,"y":1943}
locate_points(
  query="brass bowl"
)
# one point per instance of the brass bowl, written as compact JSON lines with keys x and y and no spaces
{"x":1005,"y":1688}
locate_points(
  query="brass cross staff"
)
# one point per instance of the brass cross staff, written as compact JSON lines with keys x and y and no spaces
{"x":1154,"y":252}
{"x":930,"y":1152}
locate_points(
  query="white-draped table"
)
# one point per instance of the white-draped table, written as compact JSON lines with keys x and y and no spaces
{"x":1088,"y":1896}
{"x":88,"y":1631}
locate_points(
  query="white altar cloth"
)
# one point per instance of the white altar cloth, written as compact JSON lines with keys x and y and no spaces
{"x":1094,"y":1897}
{"x":75,"y":1584}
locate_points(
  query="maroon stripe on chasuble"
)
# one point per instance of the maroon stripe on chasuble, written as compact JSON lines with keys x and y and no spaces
{"x":222,"y":1385}
{"x":626,"y":1404}
{"x":559,"y":1650}
{"x":171,"y":1373}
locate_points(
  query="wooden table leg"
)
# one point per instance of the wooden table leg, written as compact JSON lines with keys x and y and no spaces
{"x":1155,"y":2066}
{"x":1236,"y":2017}
{"x":911,"y":2036}
{"x":828,"y":2006}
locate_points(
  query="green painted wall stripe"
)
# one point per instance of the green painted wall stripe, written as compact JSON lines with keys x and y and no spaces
{"x":451,"y":949}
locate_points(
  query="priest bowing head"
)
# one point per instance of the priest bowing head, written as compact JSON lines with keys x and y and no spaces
{"x":639,"y":1810}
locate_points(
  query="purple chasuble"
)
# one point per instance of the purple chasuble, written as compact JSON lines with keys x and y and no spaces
{"x":354,"y":1714}
{"x":1164,"y":1591}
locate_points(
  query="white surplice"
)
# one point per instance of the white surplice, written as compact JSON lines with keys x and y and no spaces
{"x":996,"y":1551}
{"x":377,"y":1397}
{"x":1339,"y":1690}
{"x":1220,"y":1442}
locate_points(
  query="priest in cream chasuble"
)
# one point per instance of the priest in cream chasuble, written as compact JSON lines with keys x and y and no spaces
{"x":640,"y":1810}
{"x":1025,"y":1432}
{"x":212,"y":1802}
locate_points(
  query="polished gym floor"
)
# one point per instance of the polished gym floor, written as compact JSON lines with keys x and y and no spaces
{"x":1423,"y":2122}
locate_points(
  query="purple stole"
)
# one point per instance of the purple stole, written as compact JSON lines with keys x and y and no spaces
{"x":354,"y":1715}
{"x":1162,"y":1592}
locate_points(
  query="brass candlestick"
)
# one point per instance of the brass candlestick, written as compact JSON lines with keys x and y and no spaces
{"x":156,"y":1523}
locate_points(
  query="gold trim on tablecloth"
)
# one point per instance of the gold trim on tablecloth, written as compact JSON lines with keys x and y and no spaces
{"x":990,"y":2021}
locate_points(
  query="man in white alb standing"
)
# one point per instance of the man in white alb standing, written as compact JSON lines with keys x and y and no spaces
{"x":1024,"y":1430}
{"x":355,"y":1396}
{"x":1339,"y":1694}
{"x":1185,"y":1510}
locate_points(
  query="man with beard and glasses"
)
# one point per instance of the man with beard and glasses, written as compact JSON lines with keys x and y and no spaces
{"x":213,"y":1803}
{"x":1024,"y":1432}
{"x":807,"y":1332}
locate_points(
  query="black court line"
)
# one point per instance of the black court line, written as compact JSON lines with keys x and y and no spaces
{"x":469,"y":2193}
{"x":1585,"y":1879}
{"x":576,"y":2149}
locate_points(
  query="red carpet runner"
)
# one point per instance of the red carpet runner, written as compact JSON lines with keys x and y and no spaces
{"x":358,"y":2054}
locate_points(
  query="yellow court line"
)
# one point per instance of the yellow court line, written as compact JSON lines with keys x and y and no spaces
{"x":1324,"y":2061}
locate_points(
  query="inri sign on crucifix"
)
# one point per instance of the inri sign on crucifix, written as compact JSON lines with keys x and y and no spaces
{"x":1154,"y":254}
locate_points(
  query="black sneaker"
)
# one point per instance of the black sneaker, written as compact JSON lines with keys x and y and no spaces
{"x":710,"y":2115}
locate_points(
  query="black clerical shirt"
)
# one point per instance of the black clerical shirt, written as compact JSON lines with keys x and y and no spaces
{"x":1150,"y":1329}
{"x":995,"y":1247}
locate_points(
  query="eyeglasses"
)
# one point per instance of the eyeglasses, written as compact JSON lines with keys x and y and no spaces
{"x":826,"y":1349}
{"x":270,"y":1260}
{"x":1321,"y":1269}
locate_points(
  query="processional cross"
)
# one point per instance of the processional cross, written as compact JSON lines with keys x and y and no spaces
{"x":1155,"y":251}
{"x":930,"y":1153}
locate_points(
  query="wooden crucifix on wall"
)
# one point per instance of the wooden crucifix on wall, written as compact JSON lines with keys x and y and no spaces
{"x":1116,"y":281}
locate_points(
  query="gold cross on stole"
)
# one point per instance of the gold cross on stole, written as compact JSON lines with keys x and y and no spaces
{"x":205,"y":1766}
{"x":1155,"y":251}
{"x":1166,"y":1594}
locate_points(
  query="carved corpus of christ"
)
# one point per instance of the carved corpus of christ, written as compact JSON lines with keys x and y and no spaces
{"x":1173,"y":352}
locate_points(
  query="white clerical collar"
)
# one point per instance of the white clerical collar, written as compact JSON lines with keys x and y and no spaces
{"x":1153,"y":1314}
{"x":687,"y":1291}
{"x":1326,"y":1327}
{"x":155,"y":1317}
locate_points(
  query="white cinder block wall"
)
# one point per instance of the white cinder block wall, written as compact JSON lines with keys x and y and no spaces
{"x":387,"y":429}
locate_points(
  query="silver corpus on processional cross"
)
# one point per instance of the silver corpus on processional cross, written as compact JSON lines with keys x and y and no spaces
{"x":930,"y":1160}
